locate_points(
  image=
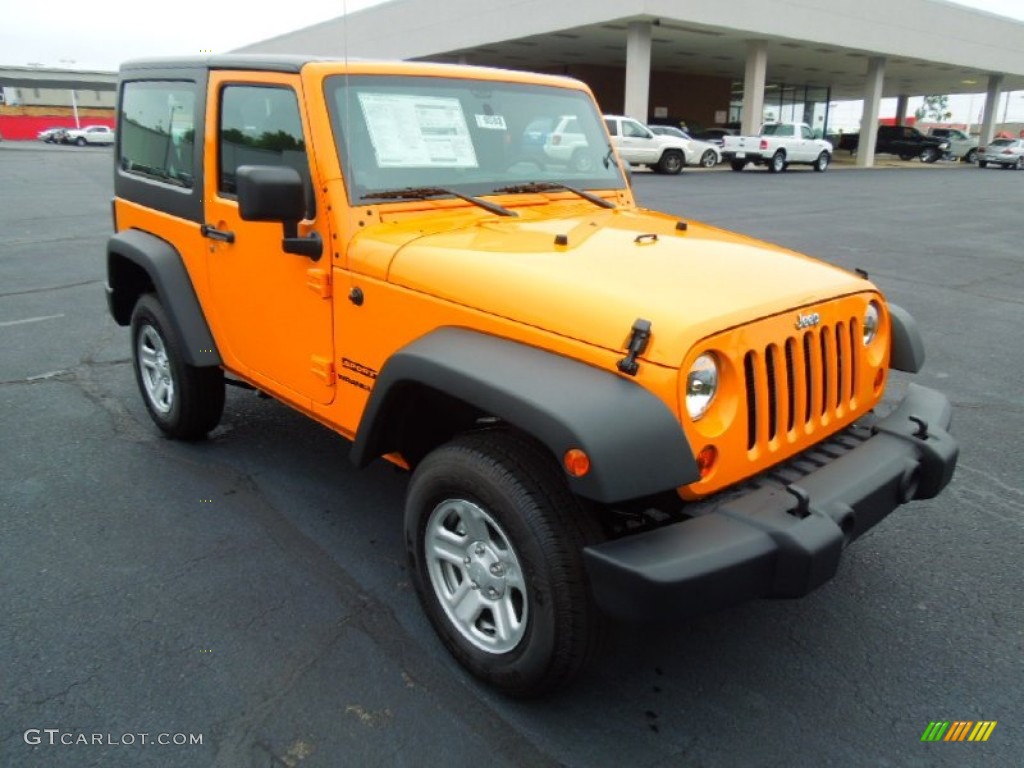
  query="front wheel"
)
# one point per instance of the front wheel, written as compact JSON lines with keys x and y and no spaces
{"x":495,"y":543}
{"x":671,"y":162}
{"x":184,"y":401}
{"x":708,"y":159}
{"x":929,"y":155}
{"x":821,"y":164}
{"x":971,"y":156}
{"x":778,"y":162}
{"x":80,"y":141}
{"x":1019,"y":165}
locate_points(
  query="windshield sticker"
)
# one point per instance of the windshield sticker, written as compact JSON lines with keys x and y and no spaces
{"x":417,"y":131}
{"x":491,"y":122}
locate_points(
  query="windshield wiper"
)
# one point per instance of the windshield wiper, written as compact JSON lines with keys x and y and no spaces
{"x":552,"y":186}
{"x":423,"y":193}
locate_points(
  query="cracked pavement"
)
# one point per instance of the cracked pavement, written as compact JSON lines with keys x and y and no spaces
{"x":252,"y":588}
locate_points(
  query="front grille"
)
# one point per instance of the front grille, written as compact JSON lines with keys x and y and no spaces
{"x":802,"y":385}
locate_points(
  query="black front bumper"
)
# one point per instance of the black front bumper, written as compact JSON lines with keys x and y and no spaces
{"x":783,"y":538}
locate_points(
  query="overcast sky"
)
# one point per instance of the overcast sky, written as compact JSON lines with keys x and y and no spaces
{"x":100,"y":35}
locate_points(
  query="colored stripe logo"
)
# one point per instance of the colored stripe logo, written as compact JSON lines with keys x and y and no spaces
{"x":958,"y":730}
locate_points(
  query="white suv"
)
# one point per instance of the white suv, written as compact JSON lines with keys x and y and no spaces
{"x":638,"y":145}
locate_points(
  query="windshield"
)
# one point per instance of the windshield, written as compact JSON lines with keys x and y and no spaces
{"x":469,"y":136}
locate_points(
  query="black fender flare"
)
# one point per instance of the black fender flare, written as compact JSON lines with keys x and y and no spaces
{"x":635,"y":443}
{"x":166,"y":270}
{"x":907,"y":352}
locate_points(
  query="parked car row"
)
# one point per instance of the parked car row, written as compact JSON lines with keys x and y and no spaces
{"x":90,"y":134}
{"x":664,"y":149}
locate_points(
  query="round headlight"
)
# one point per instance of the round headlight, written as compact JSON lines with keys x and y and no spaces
{"x":871,"y":317}
{"x":701,"y":385}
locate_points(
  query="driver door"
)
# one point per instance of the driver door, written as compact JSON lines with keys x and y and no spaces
{"x":273,"y":311}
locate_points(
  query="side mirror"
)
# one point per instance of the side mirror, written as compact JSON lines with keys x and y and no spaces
{"x":276,"y":193}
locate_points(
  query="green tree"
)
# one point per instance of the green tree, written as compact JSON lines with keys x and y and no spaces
{"x":935,"y":109}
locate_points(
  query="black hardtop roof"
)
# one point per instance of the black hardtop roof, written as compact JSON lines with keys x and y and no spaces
{"x":253,"y":61}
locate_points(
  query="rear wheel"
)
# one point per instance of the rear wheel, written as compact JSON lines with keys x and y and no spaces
{"x":821,"y":164}
{"x":778,"y":162}
{"x":738,"y":165}
{"x":495,"y":542}
{"x":184,"y":401}
{"x":671,"y":162}
{"x":581,"y":161}
{"x":982,"y":163}
{"x":709,"y":159}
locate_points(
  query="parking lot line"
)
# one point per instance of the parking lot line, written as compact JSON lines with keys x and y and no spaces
{"x":29,"y":320}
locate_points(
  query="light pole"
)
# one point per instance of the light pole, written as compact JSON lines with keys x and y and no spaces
{"x":74,"y":100}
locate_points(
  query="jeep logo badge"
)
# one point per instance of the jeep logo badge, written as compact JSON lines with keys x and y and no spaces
{"x":807,"y":321}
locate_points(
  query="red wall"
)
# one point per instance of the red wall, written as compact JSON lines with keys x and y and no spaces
{"x":13,"y":127}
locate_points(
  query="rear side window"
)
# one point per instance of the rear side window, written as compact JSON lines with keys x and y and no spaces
{"x":259,"y":125}
{"x":157,"y":131}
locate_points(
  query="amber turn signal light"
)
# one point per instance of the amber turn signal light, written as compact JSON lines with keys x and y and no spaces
{"x":706,"y":460}
{"x":576,"y":462}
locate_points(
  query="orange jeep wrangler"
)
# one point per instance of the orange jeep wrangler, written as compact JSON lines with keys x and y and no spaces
{"x":606,"y":411}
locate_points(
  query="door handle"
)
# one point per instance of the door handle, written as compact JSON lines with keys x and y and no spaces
{"x":210,"y":231}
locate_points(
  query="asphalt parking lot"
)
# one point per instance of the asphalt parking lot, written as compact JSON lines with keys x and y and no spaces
{"x":252,"y":589}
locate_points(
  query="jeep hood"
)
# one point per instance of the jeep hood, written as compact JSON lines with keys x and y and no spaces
{"x":614,"y":267}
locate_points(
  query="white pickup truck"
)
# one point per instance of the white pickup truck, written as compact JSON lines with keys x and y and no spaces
{"x":778,"y":146}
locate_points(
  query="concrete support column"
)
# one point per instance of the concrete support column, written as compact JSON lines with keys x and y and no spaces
{"x":901,"y":109}
{"x":753,"y":87}
{"x":988,"y":120}
{"x":638,"y":70}
{"x":872,"y":107}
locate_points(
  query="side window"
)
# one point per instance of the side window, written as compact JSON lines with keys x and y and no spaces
{"x":612,"y":126}
{"x":260,"y":125}
{"x":805,"y":132}
{"x":634,"y":130}
{"x":157,"y":127}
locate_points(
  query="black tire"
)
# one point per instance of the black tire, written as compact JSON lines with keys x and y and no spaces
{"x":930,"y":155}
{"x":80,"y":141}
{"x":777,"y":164}
{"x":582,"y":161}
{"x":907,"y":156}
{"x":1019,"y":165}
{"x":821,"y":164}
{"x":507,"y":541}
{"x":184,"y":402}
{"x":971,"y":156}
{"x":982,"y":163}
{"x":708,"y":159}
{"x":671,"y":162}
{"x":738,"y":165}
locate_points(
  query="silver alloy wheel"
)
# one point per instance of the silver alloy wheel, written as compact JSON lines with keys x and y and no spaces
{"x":476,"y":576}
{"x":155,"y":367}
{"x":708,"y":159}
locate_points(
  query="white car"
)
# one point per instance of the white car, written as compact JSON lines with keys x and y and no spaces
{"x":703,"y":153}
{"x":638,"y":145}
{"x":566,"y":145}
{"x":91,"y":134}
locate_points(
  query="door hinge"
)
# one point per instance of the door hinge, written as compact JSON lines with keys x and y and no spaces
{"x":319,"y":281}
{"x":323,"y":368}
